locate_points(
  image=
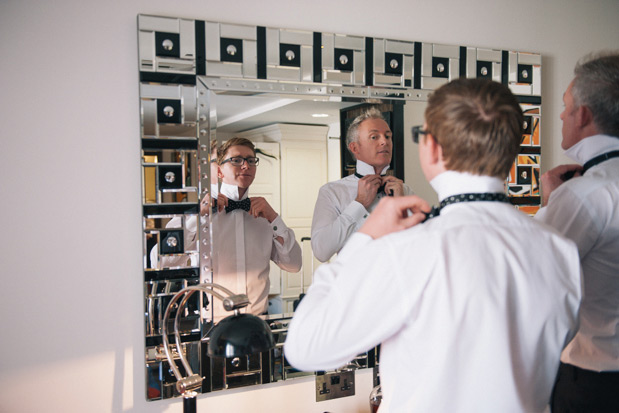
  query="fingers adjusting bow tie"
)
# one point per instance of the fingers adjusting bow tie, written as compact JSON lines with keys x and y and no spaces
{"x":380,"y":188}
{"x":243,"y":204}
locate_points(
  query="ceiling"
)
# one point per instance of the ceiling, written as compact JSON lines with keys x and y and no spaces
{"x":237,"y":113}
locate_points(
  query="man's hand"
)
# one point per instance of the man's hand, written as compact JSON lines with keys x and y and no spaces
{"x":205,"y":205}
{"x":367,"y":188}
{"x":222,"y":202}
{"x":392,"y":215}
{"x":261,"y":208}
{"x":393,"y":185}
{"x":553,"y":178}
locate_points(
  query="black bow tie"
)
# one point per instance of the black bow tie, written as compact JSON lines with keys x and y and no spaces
{"x":242,"y":204}
{"x":380,"y":188}
{"x":487,"y":196}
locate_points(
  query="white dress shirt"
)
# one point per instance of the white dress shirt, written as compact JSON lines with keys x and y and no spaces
{"x":337,"y":215}
{"x":243,"y":247}
{"x":472,"y":307}
{"x":586,"y":210}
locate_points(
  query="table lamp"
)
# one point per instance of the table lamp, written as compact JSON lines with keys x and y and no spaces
{"x":234,"y":336}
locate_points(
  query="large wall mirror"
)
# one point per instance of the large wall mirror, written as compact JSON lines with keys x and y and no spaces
{"x":287,"y":91}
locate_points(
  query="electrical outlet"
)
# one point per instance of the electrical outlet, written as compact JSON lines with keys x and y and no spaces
{"x":335,"y":385}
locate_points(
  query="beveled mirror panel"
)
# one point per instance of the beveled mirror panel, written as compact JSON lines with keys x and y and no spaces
{"x":204,"y":81}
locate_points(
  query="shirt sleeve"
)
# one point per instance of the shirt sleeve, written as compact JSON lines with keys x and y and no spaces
{"x":287,"y":256}
{"x":331,"y":225}
{"x":408,"y":190}
{"x":322,"y":335}
{"x":570,"y":216}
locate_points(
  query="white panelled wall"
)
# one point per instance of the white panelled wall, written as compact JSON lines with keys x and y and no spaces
{"x":301,"y":169}
{"x":71,"y":275}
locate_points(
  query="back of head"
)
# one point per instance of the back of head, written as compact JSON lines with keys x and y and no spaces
{"x":223,"y":149}
{"x":478,"y":124}
{"x":596,"y":86}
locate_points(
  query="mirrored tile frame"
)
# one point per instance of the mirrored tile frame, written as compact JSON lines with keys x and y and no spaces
{"x":177,"y":124}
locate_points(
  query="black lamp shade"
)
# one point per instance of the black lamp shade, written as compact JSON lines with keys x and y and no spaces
{"x":240,"y":335}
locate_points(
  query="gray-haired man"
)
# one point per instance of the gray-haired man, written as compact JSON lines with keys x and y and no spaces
{"x":343,"y":206}
{"x":584,"y":209}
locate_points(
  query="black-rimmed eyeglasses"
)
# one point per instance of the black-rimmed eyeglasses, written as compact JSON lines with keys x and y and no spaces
{"x":417,"y":130}
{"x":239,"y":160}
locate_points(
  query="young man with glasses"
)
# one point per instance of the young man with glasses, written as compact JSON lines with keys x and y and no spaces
{"x":472,"y":307}
{"x":344,"y":205}
{"x":247,"y":232}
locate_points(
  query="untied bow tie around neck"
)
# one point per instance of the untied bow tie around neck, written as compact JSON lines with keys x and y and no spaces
{"x":599,"y":159}
{"x":591,"y":163}
{"x":243,"y":204}
{"x":486,"y":196}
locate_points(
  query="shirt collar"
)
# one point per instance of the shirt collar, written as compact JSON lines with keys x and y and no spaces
{"x":591,"y":147}
{"x":367,"y":169}
{"x":232,"y":192}
{"x":451,"y":183}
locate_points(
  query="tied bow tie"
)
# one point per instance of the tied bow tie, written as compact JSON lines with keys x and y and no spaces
{"x":243,"y":204}
{"x":487,"y":196}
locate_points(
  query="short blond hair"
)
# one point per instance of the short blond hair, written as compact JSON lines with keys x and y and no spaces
{"x":478,"y":124}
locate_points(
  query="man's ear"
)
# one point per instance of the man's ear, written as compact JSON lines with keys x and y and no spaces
{"x":430,"y":157}
{"x":220,"y":174}
{"x":352,"y":147}
{"x":584,"y":116}
{"x":435,"y":151}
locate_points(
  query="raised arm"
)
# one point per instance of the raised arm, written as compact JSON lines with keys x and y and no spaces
{"x":333,"y":223}
{"x":286,"y":251}
{"x":555,"y":177}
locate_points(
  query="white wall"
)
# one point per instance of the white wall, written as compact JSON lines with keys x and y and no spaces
{"x":71,"y":301}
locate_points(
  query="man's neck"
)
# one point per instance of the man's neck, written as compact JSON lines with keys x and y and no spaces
{"x":592,"y":146}
{"x":365,"y":168}
{"x":233,"y":192}
{"x":379,"y":169}
{"x":451,"y":183}
{"x":590,"y":129}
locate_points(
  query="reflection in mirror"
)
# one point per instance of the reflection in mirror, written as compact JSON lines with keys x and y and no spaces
{"x":168,"y":178}
{"x":247,"y":231}
{"x":300,"y":140}
{"x":284,"y":92}
{"x":297,"y":141}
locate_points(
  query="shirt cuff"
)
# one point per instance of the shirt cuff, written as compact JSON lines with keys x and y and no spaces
{"x":356,"y":211}
{"x":279,"y":227}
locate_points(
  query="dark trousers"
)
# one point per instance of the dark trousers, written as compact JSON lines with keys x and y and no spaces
{"x":578,"y":390}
